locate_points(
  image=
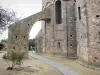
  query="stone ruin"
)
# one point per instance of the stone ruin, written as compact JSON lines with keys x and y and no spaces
{"x":70,"y":28}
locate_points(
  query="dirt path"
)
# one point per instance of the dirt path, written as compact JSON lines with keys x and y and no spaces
{"x":30,"y":66}
{"x":61,"y":68}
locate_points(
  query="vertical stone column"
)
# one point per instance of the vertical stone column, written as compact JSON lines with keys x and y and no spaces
{"x":48,"y":38}
{"x":71,"y":29}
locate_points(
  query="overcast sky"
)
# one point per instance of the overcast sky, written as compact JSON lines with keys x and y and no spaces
{"x":23,"y":8}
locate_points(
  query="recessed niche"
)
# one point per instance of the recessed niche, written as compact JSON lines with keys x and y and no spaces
{"x":13,"y":47}
{"x":99,"y":32}
{"x":71,"y":35}
{"x":58,"y":44}
{"x":24,"y":47}
{"x":28,"y":24}
{"x":71,"y":45}
{"x":75,"y":0}
{"x":97,"y":16}
{"x":79,"y":13}
{"x":16,"y":36}
{"x":58,"y":12}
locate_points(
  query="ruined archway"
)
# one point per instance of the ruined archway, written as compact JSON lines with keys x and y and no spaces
{"x":35,"y":37}
{"x":19,"y":32}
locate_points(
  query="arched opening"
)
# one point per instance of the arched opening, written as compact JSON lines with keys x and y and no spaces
{"x":58,"y":12}
{"x":35,"y":36}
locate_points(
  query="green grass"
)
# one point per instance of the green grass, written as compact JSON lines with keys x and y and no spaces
{"x":72,"y":64}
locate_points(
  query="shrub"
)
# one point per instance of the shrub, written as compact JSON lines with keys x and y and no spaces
{"x":15,"y":58}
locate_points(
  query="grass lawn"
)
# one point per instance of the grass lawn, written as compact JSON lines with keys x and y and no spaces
{"x":72,"y":64}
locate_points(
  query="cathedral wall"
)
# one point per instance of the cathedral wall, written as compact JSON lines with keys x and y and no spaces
{"x":88,"y":31}
{"x":58,"y":34}
{"x":82,"y":30}
{"x":93,"y":7}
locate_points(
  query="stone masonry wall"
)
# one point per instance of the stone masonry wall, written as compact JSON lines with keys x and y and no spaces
{"x":19,"y":32}
{"x":82,"y":30}
{"x":64,"y":33}
{"x":93,"y":8}
{"x":71,"y":29}
{"x":77,"y":36}
{"x":47,"y":29}
{"x":88,"y":32}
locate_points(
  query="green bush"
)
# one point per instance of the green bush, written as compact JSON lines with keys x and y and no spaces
{"x":14,"y":58}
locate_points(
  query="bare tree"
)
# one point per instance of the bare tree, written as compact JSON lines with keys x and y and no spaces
{"x":7,"y":17}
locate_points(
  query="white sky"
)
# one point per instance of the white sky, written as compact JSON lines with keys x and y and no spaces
{"x":23,"y":8}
